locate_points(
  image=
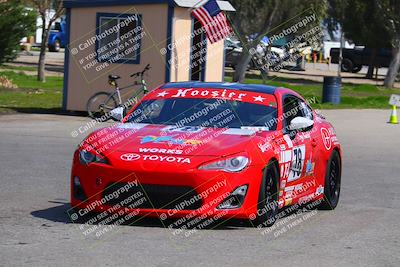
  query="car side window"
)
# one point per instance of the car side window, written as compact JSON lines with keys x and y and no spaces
{"x":306,"y":110}
{"x":154,"y":109}
{"x":291,"y":110}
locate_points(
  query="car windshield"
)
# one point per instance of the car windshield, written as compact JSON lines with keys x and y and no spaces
{"x":218,"y":113}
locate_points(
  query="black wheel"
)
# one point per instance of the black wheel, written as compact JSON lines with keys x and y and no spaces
{"x":356,"y":68}
{"x":332,"y":182}
{"x":99,"y":106}
{"x":347,"y":65}
{"x":268,"y":197}
{"x":56,"y":47}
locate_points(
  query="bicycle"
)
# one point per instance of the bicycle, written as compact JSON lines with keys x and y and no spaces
{"x":100,"y":104}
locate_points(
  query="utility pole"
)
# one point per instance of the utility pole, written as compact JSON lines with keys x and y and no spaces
{"x":340,"y":53}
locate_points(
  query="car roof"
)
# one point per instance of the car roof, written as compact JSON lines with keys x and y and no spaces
{"x":266,"y":89}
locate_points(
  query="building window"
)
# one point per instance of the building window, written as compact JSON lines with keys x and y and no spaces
{"x":118,"y":38}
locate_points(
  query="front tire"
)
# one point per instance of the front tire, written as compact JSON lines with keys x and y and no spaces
{"x":332,"y":182}
{"x":99,"y":106}
{"x":347,"y":65}
{"x":357,"y":68}
{"x":267,"y":207}
{"x":56,"y":47}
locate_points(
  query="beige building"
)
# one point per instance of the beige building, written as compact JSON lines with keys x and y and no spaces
{"x":123,"y":36}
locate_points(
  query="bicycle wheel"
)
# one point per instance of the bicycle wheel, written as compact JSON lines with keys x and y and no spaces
{"x":100,"y":104}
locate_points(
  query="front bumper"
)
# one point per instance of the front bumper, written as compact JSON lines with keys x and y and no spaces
{"x":162,"y":192}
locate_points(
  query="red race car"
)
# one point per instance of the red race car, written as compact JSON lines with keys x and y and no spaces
{"x":209,"y":150}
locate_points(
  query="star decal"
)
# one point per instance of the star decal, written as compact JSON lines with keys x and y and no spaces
{"x":163,"y":94}
{"x":258,"y":98}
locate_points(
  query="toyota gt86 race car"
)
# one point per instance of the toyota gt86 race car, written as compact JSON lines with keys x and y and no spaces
{"x":221,"y":150}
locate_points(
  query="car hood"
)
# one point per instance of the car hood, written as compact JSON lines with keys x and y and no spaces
{"x":164,"y":139}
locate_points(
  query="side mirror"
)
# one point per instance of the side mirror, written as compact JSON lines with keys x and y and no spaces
{"x":57,"y":26}
{"x":300,"y":123}
{"x":117,"y":114}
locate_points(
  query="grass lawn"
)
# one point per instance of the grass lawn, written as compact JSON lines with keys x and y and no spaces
{"x":352,"y":95}
{"x":34,"y":96}
{"x":31,"y":95}
{"x":17,"y":68}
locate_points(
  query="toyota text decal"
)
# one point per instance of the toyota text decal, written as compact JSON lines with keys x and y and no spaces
{"x":170,"y":159}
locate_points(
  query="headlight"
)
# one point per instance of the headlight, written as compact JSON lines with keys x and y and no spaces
{"x":234,"y":164}
{"x":86,"y":157}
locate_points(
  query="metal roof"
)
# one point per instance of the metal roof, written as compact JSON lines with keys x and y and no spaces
{"x":223,"y":5}
{"x":215,"y":85}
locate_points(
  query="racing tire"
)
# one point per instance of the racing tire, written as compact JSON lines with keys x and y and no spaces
{"x":347,"y":65}
{"x":357,"y":68}
{"x":99,"y":105}
{"x":267,"y":207}
{"x":332,"y":182}
{"x":56,"y":47}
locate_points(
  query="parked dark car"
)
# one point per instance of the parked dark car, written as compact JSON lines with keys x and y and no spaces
{"x":57,"y":36}
{"x":233,"y":51}
{"x":354,"y":59}
{"x":232,"y":54}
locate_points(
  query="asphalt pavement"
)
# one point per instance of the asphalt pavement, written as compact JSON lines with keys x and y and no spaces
{"x":364,"y":230}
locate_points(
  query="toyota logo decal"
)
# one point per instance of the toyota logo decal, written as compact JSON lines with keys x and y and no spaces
{"x":130,"y":157}
{"x":326,"y":138}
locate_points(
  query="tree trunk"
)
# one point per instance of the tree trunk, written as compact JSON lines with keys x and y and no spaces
{"x":241,"y":67}
{"x":371,"y":66}
{"x":339,"y":72}
{"x":246,"y":56}
{"x":42,"y":56}
{"x":393,"y":67}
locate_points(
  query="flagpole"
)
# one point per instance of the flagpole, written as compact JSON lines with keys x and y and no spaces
{"x":197,"y":5}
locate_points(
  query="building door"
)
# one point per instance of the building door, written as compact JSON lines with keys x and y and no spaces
{"x":198,"y":52}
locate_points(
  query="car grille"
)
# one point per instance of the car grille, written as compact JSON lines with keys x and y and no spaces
{"x":154,"y":196}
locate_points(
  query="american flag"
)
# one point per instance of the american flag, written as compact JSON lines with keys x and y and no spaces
{"x":213,"y":21}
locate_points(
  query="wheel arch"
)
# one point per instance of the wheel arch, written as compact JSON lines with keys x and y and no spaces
{"x":274,"y":161}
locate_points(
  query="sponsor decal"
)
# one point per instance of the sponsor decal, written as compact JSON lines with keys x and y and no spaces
{"x":310,"y":167}
{"x":169,"y":140}
{"x":170,"y":159}
{"x":291,"y":163}
{"x":326,"y":138}
{"x":305,"y":199}
{"x":259,"y":98}
{"x":264,"y":147}
{"x":319,"y":190}
{"x":185,"y":129}
{"x":288,"y":201}
{"x":255,"y":128}
{"x":130,"y":157}
{"x":162,"y":94}
{"x":230,"y":94}
{"x":236,"y":131}
{"x":227,"y":94}
{"x":298,"y":187}
{"x":160,"y":150}
{"x":304,"y":136}
{"x":288,"y":140}
{"x":298,"y":157}
{"x":131,"y":125}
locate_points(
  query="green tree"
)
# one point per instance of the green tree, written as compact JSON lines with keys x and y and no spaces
{"x":390,"y":10}
{"x":363,"y":23}
{"x":16,"y":22}
{"x":43,"y":7}
{"x":259,"y":18}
